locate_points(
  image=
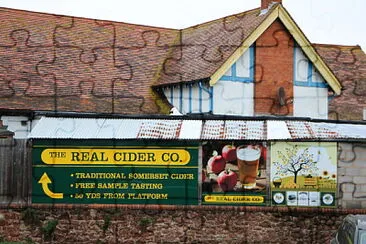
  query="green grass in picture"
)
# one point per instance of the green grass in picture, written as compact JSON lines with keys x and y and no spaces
{"x":305,"y":183}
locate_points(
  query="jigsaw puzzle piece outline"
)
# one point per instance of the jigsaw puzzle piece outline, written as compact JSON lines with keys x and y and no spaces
{"x":13,"y":20}
{"x":25,"y":74}
{"x":62,"y":38}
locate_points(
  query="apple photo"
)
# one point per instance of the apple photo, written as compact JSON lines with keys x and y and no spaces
{"x":228,"y":152}
{"x":220,"y":171}
{"x":216,"y":164}
{"x":227,"y":180}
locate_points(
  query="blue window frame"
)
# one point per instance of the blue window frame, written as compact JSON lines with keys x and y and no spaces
{"x":233,"y":77}
{"x":309,"y":82}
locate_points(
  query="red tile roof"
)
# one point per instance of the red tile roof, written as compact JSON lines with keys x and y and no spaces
{"x":62,"y":63}
{"x":204,"y":48}
{"x":348,"y":63}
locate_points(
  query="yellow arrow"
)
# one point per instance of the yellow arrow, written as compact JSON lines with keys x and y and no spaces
{"x":45,"y":180}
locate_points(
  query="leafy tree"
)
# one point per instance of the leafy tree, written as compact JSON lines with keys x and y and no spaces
{"x":294,"y":161}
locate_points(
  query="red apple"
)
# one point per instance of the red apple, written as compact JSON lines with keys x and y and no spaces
{"x":227,"y":180}
{"x":229,"y":153}
{"x":216,"y":164}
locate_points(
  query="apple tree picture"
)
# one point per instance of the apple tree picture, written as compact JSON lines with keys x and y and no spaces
{"x":303,"y":173}
{"x":295,"y":160}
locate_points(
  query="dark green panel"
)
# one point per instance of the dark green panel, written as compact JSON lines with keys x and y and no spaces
{"x":77,"y":183}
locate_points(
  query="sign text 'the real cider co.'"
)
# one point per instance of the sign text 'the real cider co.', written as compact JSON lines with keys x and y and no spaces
{"x":116,"y":156}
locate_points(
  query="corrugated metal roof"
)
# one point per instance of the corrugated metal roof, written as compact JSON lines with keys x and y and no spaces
{"x":190,"y":129}
{"x":213,"y":129}
{"x":187,"y":129}
{"x":233,"y":130}
{"x":102,"y":128}
{"x":160,"y":129}
{"x":300,"y":129}
{"x":329,"y":130}
{"x":277,"y":130}
{"x":238,"y":129}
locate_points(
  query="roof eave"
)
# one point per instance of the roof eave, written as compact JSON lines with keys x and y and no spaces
{"x":206,"y":79}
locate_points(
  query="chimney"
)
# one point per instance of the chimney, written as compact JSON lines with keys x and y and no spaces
{"x":266,"y":3}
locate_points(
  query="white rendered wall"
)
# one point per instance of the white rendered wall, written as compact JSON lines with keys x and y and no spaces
{"x":310,"y":89}
{"x":243,"y":64}
{"x":234,"y":92}
{"x":311,"y":102}
{"x":20,"y":125}
{"x":302,"y":72}
{"x":234,"y":98}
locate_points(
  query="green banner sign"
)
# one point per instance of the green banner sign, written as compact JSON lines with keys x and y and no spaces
{"x":110,"y":172}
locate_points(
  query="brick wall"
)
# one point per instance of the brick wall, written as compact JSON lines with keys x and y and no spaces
{"x":273,"y":69}
{"x":213,"y":225}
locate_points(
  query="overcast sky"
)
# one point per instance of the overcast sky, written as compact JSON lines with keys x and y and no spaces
{"x":322,"y":21}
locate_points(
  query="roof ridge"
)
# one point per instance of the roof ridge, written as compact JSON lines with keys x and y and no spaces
{"x":336,"y":45}
{"x":218,"y":19}
{"x":86,"y":18}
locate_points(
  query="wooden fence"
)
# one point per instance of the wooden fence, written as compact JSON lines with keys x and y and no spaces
{"x":15,"y":172}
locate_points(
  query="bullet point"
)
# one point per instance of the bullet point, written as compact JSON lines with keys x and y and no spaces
{"x":71,"y":185}
{"x":71,"y":196}
{"x":72,"y":175}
